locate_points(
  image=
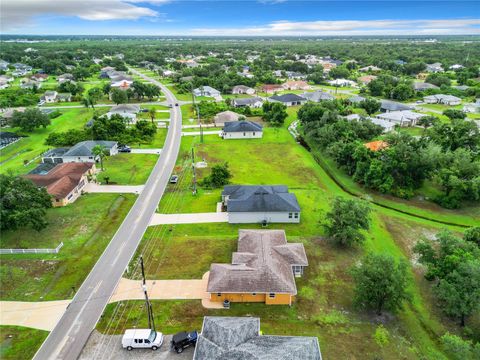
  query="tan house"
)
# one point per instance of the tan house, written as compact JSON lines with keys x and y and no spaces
{"x":271,"y":88}
{"x":63,"y":181}
{"x":262,"y":270}
{"x":296,"y":85}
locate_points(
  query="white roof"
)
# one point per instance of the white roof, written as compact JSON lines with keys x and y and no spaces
{"x":137,"y":333}
{"x":400,"y":115}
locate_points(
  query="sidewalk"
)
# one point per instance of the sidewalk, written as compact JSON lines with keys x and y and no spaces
{"x":117,"y":189}
{"x":195,"y":218}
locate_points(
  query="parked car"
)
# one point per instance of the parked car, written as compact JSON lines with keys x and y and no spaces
{"x":183,"y":340}
{"x":143,"y":110}
{"x":142,"y":339}
{"x":124,"y":149}
{"x":170,"y":105}
{"x":173,"y":179}
{"x":176,"y":104}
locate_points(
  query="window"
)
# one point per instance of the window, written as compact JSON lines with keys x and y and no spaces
{"x":296,"y":215}
{"x":254,"y":133}
{"x":219,"y":294}
{"x":271,"y":295}
{"x":90,"y":157}
{"x":147,"y":341}
{"x":290,"y":215}
{"x":69,"y":196}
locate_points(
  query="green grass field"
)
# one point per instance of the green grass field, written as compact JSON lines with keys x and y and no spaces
{"x":20,"y":343}
{"x":128,"y":169}
{"x":85,"y":227}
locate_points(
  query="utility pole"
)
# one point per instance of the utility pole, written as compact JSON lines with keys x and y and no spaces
{"x":194,"y":173}
{"x":148,"y":305}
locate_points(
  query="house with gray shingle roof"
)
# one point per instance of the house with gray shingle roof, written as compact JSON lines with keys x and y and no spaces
{"x":263,"y":269}
{"x":239,"y":338}
{"x":288,"y":99}
{"x":80,"y":152}
{"x":253,"y":102}
{"x":387,"y":106}
{"x":260,"y":204}
{"x":318,"y":96}
{"x":242,"y":129}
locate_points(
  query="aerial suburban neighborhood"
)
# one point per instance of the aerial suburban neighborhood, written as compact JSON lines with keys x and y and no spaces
{"x":216,"y":180}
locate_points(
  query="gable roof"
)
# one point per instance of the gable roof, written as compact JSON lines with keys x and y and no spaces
{"x":62,"y":179}
{"x":260,"y":198}
{"x":241,"y":126}
{"x":226,"y":116}
{"x":262,"y":264}
{"x":287,"y":98}
{"x":376,"y":145}
{"x":84,"y":148}
{"x":125,"y":108}
{"x":239,"y":338}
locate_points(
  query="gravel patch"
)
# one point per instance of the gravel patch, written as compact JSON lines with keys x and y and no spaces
{"x":101,"y":346}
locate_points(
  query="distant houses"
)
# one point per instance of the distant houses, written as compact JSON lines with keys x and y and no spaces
{"x":262,"y":270}
{"x":260,"y":204}
{"x":288,"y":99}
{"x":342,"y":83}
{"x":317,"y":96}
{"x":435,"y":67}
{"x":64,"y":182}
{"x":387,"y":106}
{"x":271,"y":88}
{"x":242,"y":129}
{"x":240,"y":338}
{"x":296,"y":85}
{"x":365,"y":80}
{"x":80,"y":152}
{"x":127,"y":111}
{"x":422,"y":86}
{"x":401,"y":118}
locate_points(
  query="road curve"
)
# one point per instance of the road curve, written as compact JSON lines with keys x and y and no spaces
{"x":70,"y":335}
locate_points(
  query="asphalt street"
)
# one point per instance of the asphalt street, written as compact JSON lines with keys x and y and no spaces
{"x":70,"y":335}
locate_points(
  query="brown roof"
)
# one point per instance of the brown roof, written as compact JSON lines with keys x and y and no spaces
{"x":62,"y":179}
{"x":367,"y":78}
{"x":271,"y":87}
{"x":376,"y":145}
{"x":262,"y":264}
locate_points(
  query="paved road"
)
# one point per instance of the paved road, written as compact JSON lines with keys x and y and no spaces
{"x":68,"y":338}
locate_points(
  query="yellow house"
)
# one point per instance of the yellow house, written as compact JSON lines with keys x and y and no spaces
{"x":262,"y":270}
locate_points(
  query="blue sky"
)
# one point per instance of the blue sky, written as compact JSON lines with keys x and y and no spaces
{"x":240,"y":18}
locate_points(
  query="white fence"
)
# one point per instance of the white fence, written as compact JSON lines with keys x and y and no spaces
{"x":32,"y":251}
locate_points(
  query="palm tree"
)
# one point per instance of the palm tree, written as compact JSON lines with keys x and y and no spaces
{"x":152,"y":112}
{"x":86,"y":101}
{"x":99,"y":151}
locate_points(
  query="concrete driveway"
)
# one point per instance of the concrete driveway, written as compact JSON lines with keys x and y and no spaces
{"x":146,"y":151}
{"x":195,"y":218}
{"x":120,"y":189}
{"x":194,"y":133}
{"x":42,"y":315}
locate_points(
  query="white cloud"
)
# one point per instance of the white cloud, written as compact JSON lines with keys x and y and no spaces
{"x":351,"y":27}
{"x":16,"y":14}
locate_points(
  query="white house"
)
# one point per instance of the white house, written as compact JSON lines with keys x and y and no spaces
{"x":402,"y":118}
{"x":80,"y":152}
{"x":242,"y":89}
{"x":50,"y":96}
{"x":206,"y":91}
{"x":342,"y":83}
{"x":386,"y":125}
{"x":442,"y":99}
{"x":456,"y":67}
{"x":253,"y":102}
{"x":260,"y":204}
{"x":242,"y":129}
{"x":128,"y":111}
{"x":435,"y":67}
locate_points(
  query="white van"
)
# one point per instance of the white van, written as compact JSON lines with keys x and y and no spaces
{"x":142,"y":339}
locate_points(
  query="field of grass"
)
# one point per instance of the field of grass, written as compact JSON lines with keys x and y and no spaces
{"x":128,"y":169}
{"x":19,"y":343}
{"x":85,"y":227}
{"x":12,"y":157}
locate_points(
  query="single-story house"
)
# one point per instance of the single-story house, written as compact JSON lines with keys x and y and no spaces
{"x":64,"y":97}
{"x":206,"y":91}
{"x":472,"y":107}
{"x":4,"y":65}
{"x":4,"y":84}
{"x":242,"y":89}
{"x":240,"y":338}
{"x":295,"y":75}
{"x":64,"y":77}
{"x":226,"y":116}
{"x":63,"y":181}
{"x":402,"y":118}
{"x":260,"y":204}
{"x":50,"y":96}
{"x":371,"y":68}
{"x":242,"y":129}
{"x":6,"y":78}
{"x":461,"y":87}
{"x":342,"y":83}
{"x":39,"y":77}
{"x":386,"y":125}
{"x":30,"y":84}
{"x":128,"y":111}
{"x":387,"y":106}
{"x":80,"y":152}
{"x":456,"y":67}
{"x":421,"y":86}
{"x":288,"y":99}
{"x":366,"y":79}
{"x":356,"y":99}
{"x":442,"y":99}
{"x":317,"y":96}
{"x":7,"y":138}
{"x":253,"y":102}
{"x":296,"y":85}
{"x":262,"y":270}
{"x":435,"y":67}
{"x":121,"y":82}
{"x":271,"y":88}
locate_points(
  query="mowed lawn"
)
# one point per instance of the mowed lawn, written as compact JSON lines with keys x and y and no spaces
{"x":127,"y":168}
{"x":19,"y":343}
{"x":85,"y":227}
{"x":12,"y":157}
